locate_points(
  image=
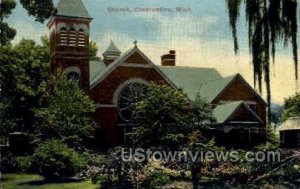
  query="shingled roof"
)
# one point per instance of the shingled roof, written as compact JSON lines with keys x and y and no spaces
{"x":191,"y":79}
{"x":72,"y":8}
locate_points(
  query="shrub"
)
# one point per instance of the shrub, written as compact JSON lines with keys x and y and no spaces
{"x":156,"y":180}
{"x":13,"y":164}
{"x":54,"y":159}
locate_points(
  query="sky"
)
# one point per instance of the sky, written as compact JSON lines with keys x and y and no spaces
{"x":201,"y":36}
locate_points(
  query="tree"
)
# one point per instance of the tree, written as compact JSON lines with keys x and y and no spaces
{"x":291,"y":107}
{"x":23,"y":68}
{"x":269,"y":23}
{"x":41,"y":10}
{"x":165,"y":116}
{"x":6,"y":33}
{"x":7,"y":124}
{"x":93,"y":49}
{"x":65,"y":111}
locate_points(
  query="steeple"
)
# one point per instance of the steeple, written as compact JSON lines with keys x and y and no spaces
{"x":72,"y":8}
{"x":111,"y":54}
{"x":69,"y":41}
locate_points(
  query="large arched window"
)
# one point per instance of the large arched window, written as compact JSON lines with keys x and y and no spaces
{"x":128,"y":98}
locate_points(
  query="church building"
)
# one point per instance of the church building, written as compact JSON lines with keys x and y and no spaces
{"x":115,"y":82}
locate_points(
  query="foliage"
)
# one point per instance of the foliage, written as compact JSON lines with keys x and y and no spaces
{"x":13,"y":164}
{"x":23,"y":68}
{"x":156,"y":180}
{"x":120,"y":174}
{"x":53,"y":159}
{"x":66,"y":110}
{"x":165,"y":116}
{"x":6,"y":33}
{"x":93,"y":49}
{"x":269,"y":23}
{"x":273,"y":140}
{"x":24,"y":164}
{"x":93,"y":159}
{"x":41,"y":10}
{"x":7,"y":123}
{"x":291,"y":107}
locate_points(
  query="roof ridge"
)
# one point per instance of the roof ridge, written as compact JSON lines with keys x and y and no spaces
{"x":186,"y":67}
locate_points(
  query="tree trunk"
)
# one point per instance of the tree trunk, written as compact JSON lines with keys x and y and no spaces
{"x":195,"y":178}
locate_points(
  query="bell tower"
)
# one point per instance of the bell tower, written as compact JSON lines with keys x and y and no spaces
{"x":69,"y":41}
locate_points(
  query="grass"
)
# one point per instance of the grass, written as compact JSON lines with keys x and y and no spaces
{"x":26,"y":181}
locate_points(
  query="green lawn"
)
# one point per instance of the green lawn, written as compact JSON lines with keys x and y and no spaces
{"x":14,"y":181}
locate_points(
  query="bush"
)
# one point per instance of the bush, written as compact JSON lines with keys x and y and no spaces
{"x":13,"y":164}
{"x":54,"y":159}
{"x":156,"y":180}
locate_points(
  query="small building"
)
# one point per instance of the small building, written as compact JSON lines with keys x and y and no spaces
{"x":290,"y":133}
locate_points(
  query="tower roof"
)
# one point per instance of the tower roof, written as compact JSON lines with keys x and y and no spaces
{"x":72,"y":8}
{"x":112,"y":49}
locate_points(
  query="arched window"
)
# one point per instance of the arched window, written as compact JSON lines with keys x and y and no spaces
{"x":72,"y":37}
{"x":128,"y":98}
{"x":63,"y":36}
{"x":81,"y":38}
{"x":73,"y":75}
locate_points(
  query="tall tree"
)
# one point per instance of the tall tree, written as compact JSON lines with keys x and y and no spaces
{"x":165,"y":116}
{"x":65,"y":111}
{"x":23,"y":68}
{"x":270,"y":22}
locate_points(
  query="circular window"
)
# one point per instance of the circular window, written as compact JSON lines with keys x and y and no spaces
{"x":128,"y":98}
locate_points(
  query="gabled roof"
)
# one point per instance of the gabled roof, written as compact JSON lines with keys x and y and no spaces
{"x":290,"y":124}
{"x":72,"y":8}
{"x":190,"y":79}
{"x":224,"y":112}
{"x":212,"y":89}
{"x":207,"y":82}
{"x":108,"y":69}
{"x":105,"y":69}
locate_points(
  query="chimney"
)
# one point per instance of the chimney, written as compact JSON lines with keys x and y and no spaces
{"x":169,"y":59}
